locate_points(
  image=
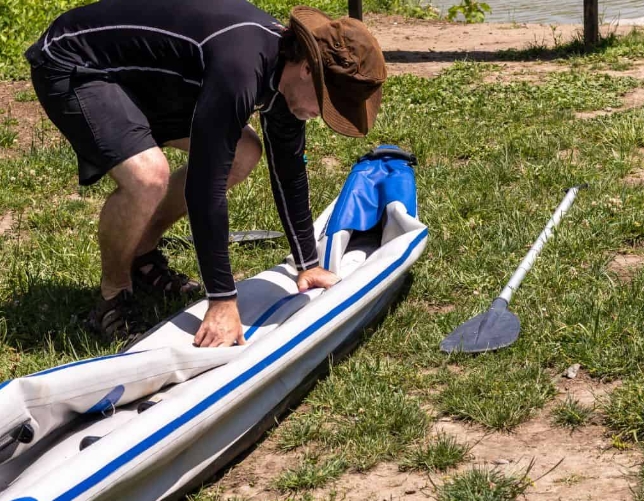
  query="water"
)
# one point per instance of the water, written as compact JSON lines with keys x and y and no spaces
{"x":554,"y":11}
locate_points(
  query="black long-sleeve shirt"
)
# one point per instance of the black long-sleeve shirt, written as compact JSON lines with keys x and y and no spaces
{"x":212,"y":63}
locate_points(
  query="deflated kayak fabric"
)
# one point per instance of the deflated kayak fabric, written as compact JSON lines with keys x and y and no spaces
{"x":34,"y":405}
{"x":167,"y":415}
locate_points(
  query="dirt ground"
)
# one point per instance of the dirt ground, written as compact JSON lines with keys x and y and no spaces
{"x":579,"y":465}
{"x":591,"y":468}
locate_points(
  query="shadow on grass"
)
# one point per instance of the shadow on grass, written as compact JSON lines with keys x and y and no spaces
{"x":534,"y":52}
{"x":47,"y":312}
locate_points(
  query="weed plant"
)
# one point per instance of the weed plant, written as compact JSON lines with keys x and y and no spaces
{"x":310,"y":474}
{"x":440,"y":454}
{"x":570,"y":413}
{"x":482,"y":484}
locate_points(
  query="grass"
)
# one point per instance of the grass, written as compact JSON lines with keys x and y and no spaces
{"x":361,"y":410}
{"x":482,"y":484}
{"x":8,"y":134}
{"x":310,"y":474}
{"x":497,"y":396}
{"x":26,"y":96}
{"x":442,"y":453}
{"x":624,"y":410}
{"x":490,"y":174}
{"x":570,"y":413}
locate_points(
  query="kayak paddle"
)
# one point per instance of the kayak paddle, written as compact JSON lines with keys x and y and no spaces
{"x":498,"y":327}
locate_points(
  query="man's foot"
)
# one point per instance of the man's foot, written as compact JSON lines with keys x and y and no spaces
{"x":151,"y":273}
{"x":114,"y":319}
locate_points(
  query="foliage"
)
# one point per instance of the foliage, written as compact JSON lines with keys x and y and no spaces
{"x":442,"y":453}
{"x":472,"y":10}
{"x":482,"y":484}
{"x":570,"y":413}
{"x":624,"y":410}
{"x":310,"y":474}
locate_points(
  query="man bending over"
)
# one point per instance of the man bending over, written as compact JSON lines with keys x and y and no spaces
{"x":121,"y":78}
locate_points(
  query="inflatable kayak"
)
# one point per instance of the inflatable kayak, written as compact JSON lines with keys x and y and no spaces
{"x":156,"y":420}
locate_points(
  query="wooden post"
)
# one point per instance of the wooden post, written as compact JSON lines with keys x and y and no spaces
{"x":591,"y":22}
{"x":355,"y":9}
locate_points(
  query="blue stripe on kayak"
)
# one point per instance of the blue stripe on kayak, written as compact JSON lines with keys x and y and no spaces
{"x":212,"y":399}
{"x":266,"y":315}
{"x":5,"y":383}
{"x":81,"y":362}
{"x":329,"y":245}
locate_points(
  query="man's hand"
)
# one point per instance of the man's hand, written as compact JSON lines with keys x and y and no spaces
{"x":316,"y":277}
{"x":221,"y":326}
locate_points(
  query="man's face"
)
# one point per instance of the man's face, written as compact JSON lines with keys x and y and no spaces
{"x":299,"y":92}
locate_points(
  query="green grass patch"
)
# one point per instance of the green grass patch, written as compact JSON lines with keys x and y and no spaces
{"x":571,"y":413}
{"x":26,"y":96}
{"x":310,"y":474}
{"x":362,"y":411}
{"x":8,"y":134}
{"x":482,"y":484}
{"x":497,"y":396}
{"x":440,"y":454}
{"x":624,"y":410}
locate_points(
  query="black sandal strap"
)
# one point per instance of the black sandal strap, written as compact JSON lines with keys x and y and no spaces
{"x":160,"y":276}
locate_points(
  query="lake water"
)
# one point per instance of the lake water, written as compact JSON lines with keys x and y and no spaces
{"x":554,"y":11}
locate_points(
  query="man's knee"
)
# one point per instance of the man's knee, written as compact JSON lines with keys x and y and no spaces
{"x":146,"y":174}
{"x":247,"y":155}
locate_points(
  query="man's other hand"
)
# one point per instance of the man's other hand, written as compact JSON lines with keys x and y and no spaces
{"x":316,"y":277}
{"x":221,"y":326}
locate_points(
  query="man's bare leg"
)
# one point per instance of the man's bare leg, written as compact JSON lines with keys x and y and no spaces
{"x":173,"y":206}
{"x":142,"y":183}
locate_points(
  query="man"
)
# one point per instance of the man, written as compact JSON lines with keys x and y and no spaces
{"x":122,"y":78}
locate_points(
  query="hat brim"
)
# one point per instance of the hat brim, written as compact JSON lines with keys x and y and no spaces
{"x":349,"y":118}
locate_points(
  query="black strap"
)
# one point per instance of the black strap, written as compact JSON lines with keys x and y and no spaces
{"x":377,"y":153}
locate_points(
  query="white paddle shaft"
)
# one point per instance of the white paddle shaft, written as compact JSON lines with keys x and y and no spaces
{"x":531,"y":256}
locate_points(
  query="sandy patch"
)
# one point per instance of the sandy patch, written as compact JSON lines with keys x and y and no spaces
{"x":426,"y":48}
{"x":33,"y":127}
{"x":626,"y":266}
{"x":569,"y":155}
{"x":432,"y":308}
{"x":331,"y":164}
{"x":6,"y":222}
{"x":533,"y":72}
{"x":636,"y":177}
{"x":636,"y":71}
{"x":591,"y":469}
{"x":631,"y":100}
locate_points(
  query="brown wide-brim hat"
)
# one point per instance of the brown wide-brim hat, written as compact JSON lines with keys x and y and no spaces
{"x":348,"y":69}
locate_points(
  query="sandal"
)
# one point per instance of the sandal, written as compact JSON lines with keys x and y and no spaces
{"x":113,"y":319}
{"x":151,"y":273}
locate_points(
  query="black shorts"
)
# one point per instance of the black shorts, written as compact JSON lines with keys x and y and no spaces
{"x":103,"y":120}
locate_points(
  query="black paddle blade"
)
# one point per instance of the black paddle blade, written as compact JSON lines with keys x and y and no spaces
{"x":489,"y":331}
{"x":253,"y":235}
